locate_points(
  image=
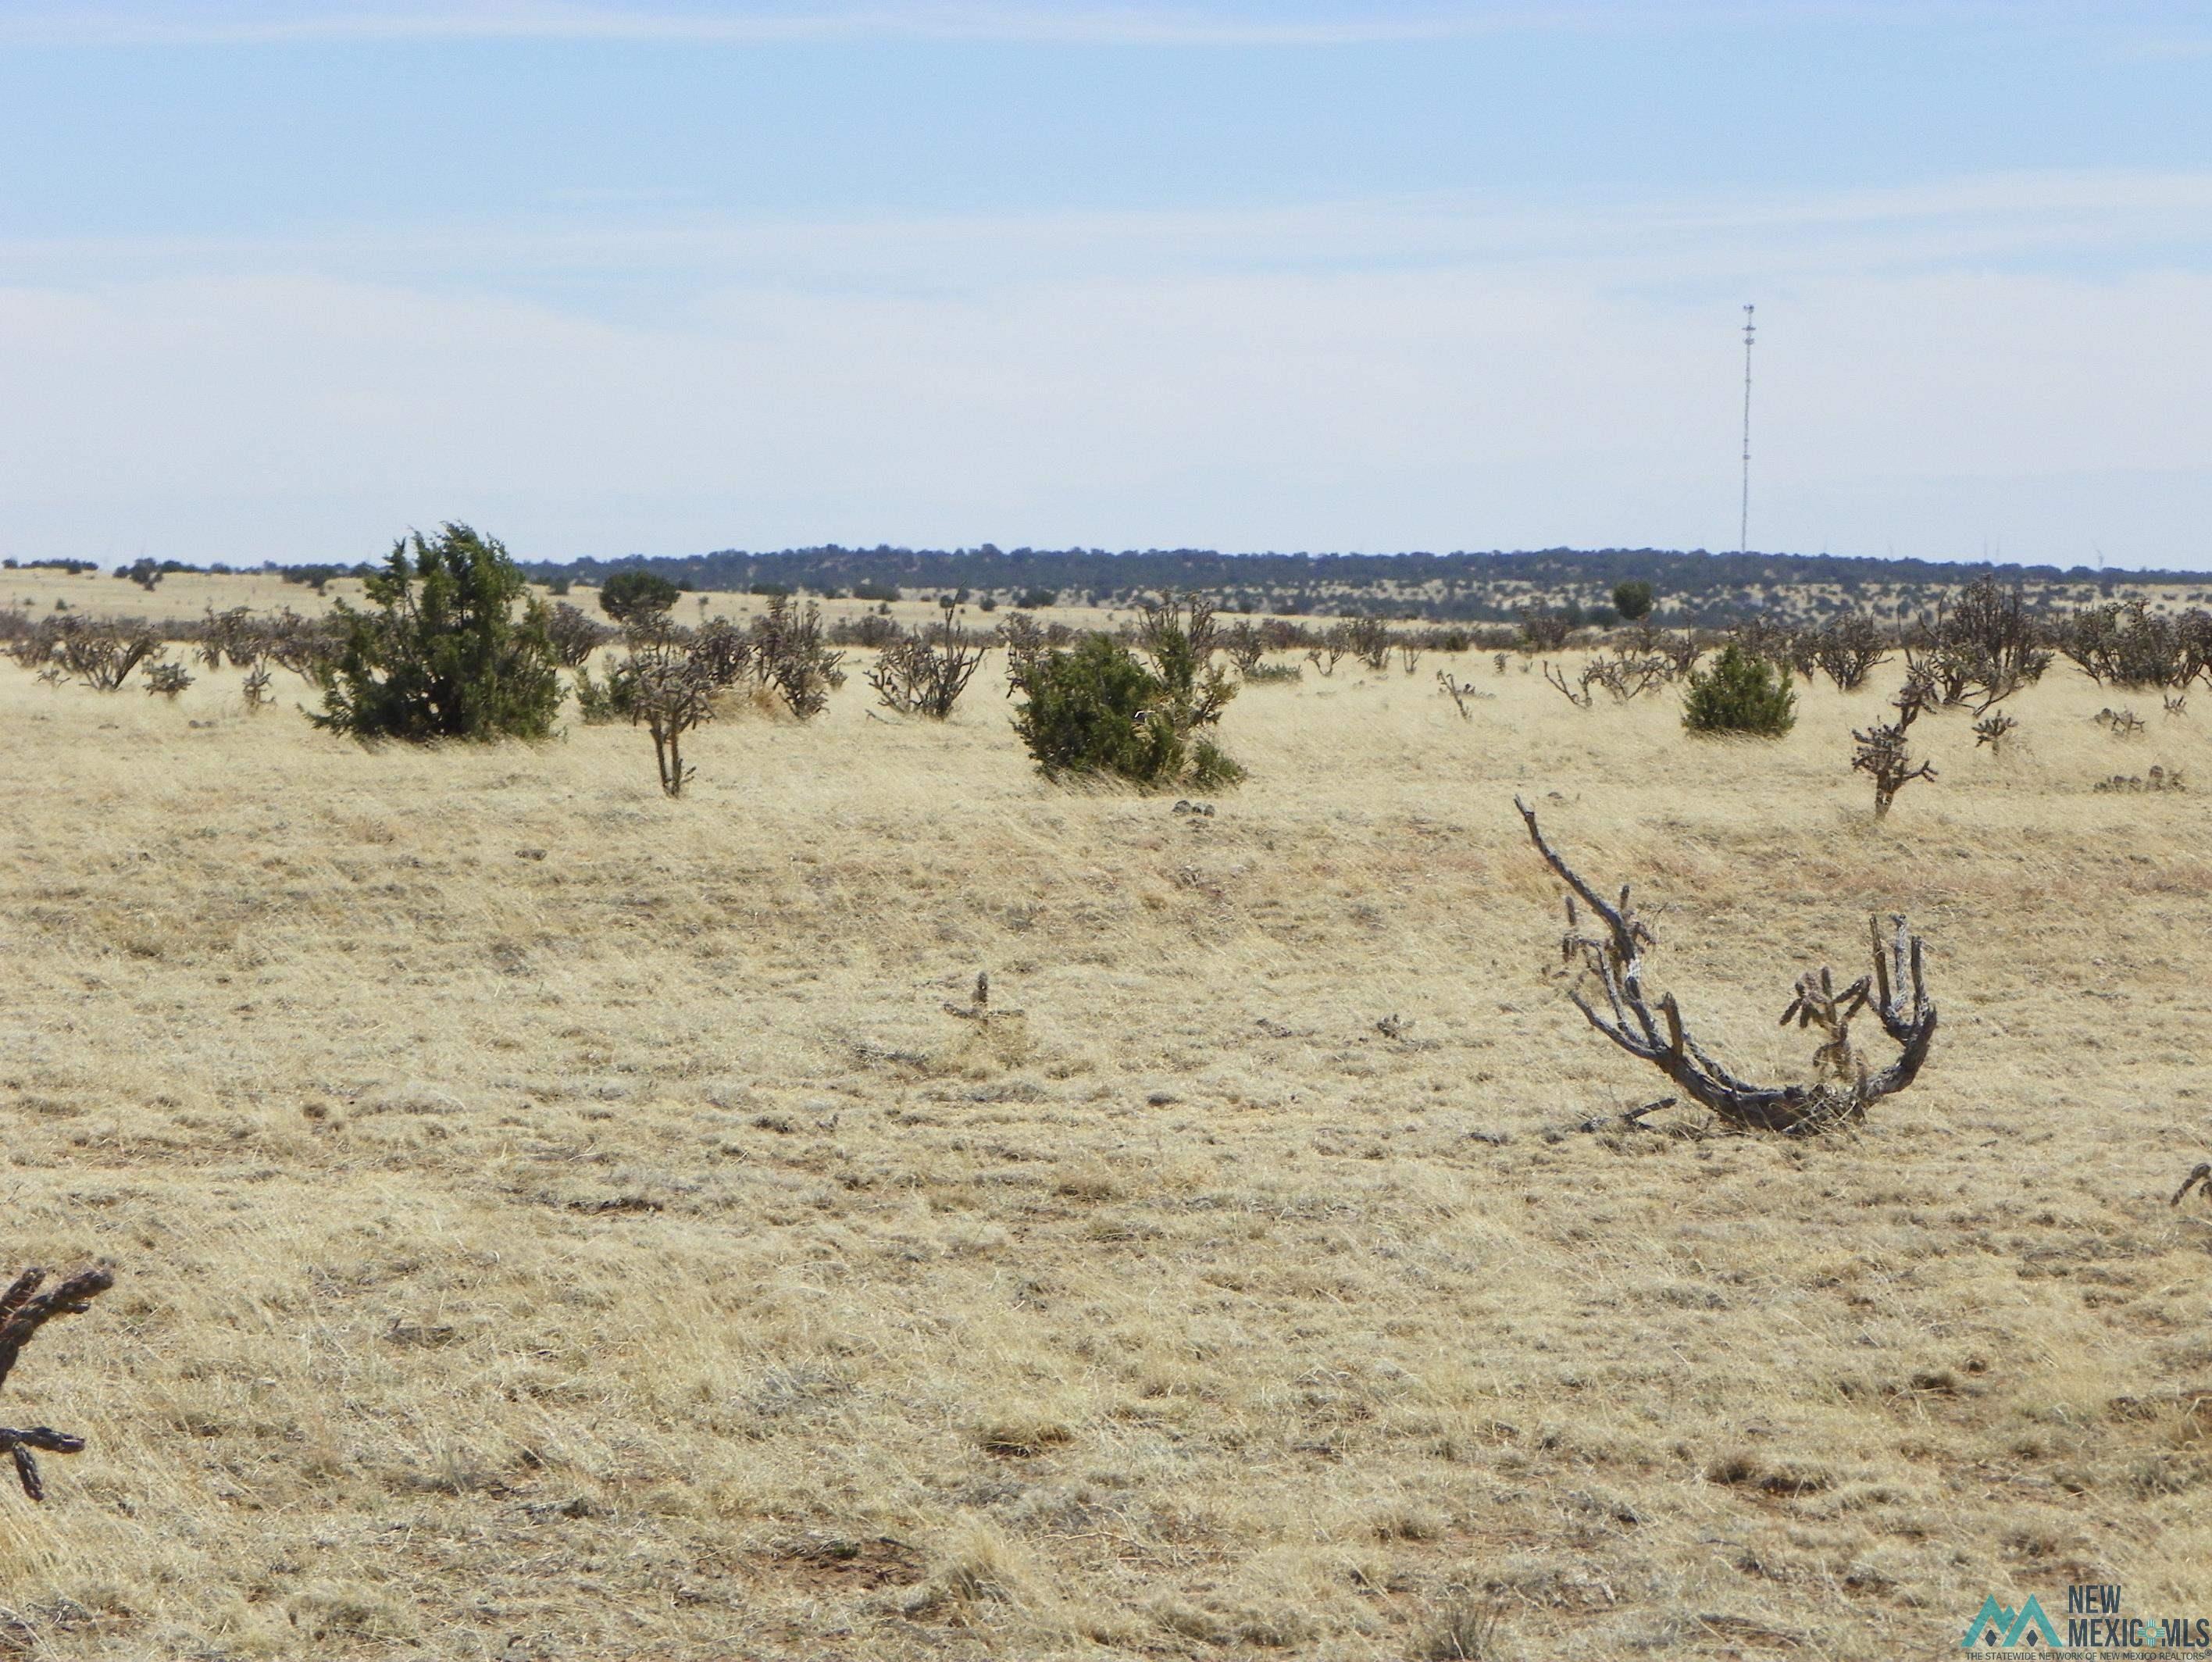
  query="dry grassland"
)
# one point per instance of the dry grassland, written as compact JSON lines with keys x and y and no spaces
{"x":554,"y":1222}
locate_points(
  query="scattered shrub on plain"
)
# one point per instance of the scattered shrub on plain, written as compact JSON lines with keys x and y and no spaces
{"x":1882,"y":755}
{"x":629,"y":595}
{"x":1545,"y":631}
{"x":917,"y":676}
{"x":166,"y":680}
{"x":1848,"y":649}
{"x":1739,"y":694}
{"x":574,"y":636}
{"x":1632,"y":599}
{"x":1653,"y":1030}
{"x":444,"y":655}
{"x":1101,"y":709}
{"x":99,"y":653}
{"x":2125,"y":644}
{"x":791,"y":658}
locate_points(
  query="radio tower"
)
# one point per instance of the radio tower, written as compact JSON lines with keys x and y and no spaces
{"x":1743,"y":526}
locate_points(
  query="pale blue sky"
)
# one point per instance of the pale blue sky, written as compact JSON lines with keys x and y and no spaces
{"x":278,"y":280}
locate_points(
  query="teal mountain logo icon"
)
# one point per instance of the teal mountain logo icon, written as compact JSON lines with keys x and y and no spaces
{"x":2000,"y":1628}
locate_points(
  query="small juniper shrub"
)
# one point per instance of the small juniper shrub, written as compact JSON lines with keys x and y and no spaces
{"x":629,"y":595}
{"x":1103,"y":709}
{"x":1740,"y":692}
{"x":445,"y":654}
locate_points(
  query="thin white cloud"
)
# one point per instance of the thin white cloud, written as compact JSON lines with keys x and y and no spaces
{"x":1477,"y":406}
{"x":2126,"y":221}
{"x":1327,"y":22}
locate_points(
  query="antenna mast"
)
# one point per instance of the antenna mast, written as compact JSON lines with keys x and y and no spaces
{"x":1743,"y":526}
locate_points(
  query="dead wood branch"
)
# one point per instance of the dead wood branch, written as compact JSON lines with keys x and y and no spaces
{"x":979,"y":1008}
{"x":1896,"y":992}
{"x":23,"y":1311}
{"x":1628,"y":1120}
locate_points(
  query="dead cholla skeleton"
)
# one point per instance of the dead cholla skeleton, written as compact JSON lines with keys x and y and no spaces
{"x":23,"y":1310}
{"x":101,"y":654}
{"x":1895,"y":991}
{"x":1625,"y":676}
{"x":1882,"y":755}
{"x":1460,"y":691}
{"x":918,"y":677}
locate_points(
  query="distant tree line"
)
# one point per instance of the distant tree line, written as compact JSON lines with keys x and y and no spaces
{"x":1685,"y":589}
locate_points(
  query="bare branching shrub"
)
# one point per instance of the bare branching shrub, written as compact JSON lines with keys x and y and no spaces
{"x":1245,"y":646}
{"x":23,"y":1311}
{"x":2125,"y":644}
{"x":1543,"y":632}
{"x":1180,"y":638}
{"x":668,"y":683}
{"x":1409,"y":653}
{"x":34,"y":647}
{"x":100,"y":654}
{"x":1579,"y":694}
{"x":1627,"y":677}
{"x":1993,"y":730}
{"x":1774,"y":640}
{"x":1980,"y":650}
{"x":2120,"y":724}
{"x":1624,"y":677}
{"x":723,"y":651}
{"x":2176,"y":704}
{"x":668,"y":691}
{"x":870,"y":629}
{"x":1986,"y":646}
{"x":1461,"y":692}
{"x":1370,"y":640}
{"x":1847,"y":649}
{"x":167,"y":680}
{"x":791,"y":658}
{"x":918,"y":677}
{"x":1325,"y":653}
{"x":245,"y":640}
{"x":574,"y":636}
{"x":232,"y":637}
{"x":1681,"y":648}
{"x":1882,"y":755}
{"x":1844,"y":1086}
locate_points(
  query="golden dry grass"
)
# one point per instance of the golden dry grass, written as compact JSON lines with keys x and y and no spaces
{"x":554,"y":1222}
